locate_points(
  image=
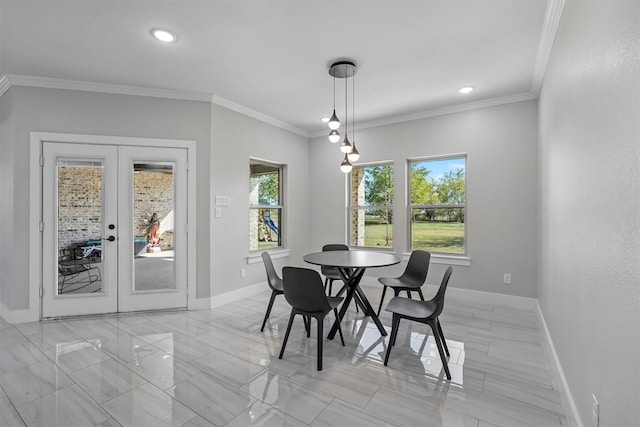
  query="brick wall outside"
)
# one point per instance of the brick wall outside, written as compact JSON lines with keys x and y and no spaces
{"x":80,"y":202}
{"x":357,"y":199}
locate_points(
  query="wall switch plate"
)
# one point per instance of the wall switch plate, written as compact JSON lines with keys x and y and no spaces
{"x":595,"y":411}
{"x":222,"y":200}
{"x":507,"y":278}
{"x":243,"y":273}
{"x":218,"y":212}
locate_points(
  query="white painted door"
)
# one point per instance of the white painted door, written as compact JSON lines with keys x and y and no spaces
{"x":101,"y":251}
{"x":152,"y":191}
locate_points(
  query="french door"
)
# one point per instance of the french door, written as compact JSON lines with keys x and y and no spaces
{"x":114,"y":228}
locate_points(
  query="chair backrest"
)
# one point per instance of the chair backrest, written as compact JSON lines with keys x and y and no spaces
{"x":332,"y":247}
{"x":417,"y":267}
{"x":439,"y":298}
{"x":335,"y":247}
{"x":274,"y":281}
{"x":303,"y":289}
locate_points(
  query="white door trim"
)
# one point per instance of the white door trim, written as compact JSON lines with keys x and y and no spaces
{"x":35,"y":204}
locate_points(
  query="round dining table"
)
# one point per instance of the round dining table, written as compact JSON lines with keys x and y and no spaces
{"x":352,"y":264}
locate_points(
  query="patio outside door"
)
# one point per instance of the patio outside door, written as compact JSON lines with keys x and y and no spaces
{"x":114,"y":228}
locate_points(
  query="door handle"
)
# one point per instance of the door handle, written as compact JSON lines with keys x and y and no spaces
{"x":110,"y":238}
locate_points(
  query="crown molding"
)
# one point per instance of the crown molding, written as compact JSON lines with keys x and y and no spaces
{"x":223,"y":102}
{"x":53,"y":83}
{"x":549,"y":29}
{"x":8,"y":80}
{"x":492,"y":102}
{"x":5,"y":84}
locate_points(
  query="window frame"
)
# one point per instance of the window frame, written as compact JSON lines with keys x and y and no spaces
{"x":280,"y":206}
{"x":351,"y":208}
{"x":411,"y":206}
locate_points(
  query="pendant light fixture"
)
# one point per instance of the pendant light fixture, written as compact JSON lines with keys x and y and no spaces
{"x":344,"y":70}
{"x":354,"y":154}
{"x":334,"y":122}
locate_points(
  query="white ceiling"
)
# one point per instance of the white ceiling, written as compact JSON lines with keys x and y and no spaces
{"x":270,"y":58}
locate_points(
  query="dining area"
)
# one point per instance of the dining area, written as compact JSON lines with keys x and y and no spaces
{"x":229,"y":366}
{"x":311,"y":297}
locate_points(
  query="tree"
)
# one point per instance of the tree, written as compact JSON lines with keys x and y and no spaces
{"x":378,"y":184}
{"x":451,"y":191}
{"x":269,"y":188}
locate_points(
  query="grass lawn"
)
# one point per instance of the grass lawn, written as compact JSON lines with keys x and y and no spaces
{"x":428,"y":235}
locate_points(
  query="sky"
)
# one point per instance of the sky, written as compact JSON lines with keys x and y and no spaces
{"x":440,"y":167}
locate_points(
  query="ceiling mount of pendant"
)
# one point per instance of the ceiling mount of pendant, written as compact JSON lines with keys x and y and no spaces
{"x":343,"y":69}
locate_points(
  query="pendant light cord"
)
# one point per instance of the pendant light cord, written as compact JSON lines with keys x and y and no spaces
{"x":346,"y":109}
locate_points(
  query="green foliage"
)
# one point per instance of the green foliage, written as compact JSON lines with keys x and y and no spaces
{"x":378,"y":184}
{"x":268,"y":188}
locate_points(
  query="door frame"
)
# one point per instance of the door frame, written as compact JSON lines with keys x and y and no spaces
{"x":36,"y":206}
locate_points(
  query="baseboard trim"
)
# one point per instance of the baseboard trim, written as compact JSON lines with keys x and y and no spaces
{"x":575,"y":417}
{"x":470,"y":294}
{"x":200,"y":304}
{"x":238,"y":294}
{"x":18,"y":316}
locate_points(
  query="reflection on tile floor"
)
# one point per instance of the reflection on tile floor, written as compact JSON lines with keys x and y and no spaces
{"x":215,"y":368}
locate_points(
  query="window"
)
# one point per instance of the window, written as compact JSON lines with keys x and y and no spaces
{"x":437,"y":195}
{"x":265,"y":205}
{"x":371,"y":206}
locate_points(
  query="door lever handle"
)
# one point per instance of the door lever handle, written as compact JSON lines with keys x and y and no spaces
{"x":110,"y":238}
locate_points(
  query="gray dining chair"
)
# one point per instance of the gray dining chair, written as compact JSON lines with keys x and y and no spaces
{"x":411,"y":280}
{"x":426,"y":312}
{"x":304,"y":291}
{"x":275,"y":283}
{"x":331,"y":273}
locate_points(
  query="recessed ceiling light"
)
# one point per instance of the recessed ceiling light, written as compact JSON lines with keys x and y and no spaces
{"x":466,"y":89}
{"x":164,"y":35}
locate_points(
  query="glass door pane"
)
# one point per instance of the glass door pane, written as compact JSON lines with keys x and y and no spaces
{"x":80,"y":225}
{"x":154,"y":225}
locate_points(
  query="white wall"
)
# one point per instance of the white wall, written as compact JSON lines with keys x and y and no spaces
{"x":236,"y":138}
{"x":500,"y":143}
{"x":589,"y":156}
{"x":26,"y":109}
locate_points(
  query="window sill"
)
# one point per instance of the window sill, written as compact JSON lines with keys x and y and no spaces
{"x":461,"y":260}
{"x":256,"y":258}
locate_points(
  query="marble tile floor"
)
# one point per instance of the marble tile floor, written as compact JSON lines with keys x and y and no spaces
{"x":215,"y":368}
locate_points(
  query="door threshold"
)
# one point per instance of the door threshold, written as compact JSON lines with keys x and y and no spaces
{"x":111,"y":315}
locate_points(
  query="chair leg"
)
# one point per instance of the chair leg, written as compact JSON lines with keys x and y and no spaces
{"x":384,"y":290}
{"x":307,"y":325}
{"x":395,"y":324}
{"x":330,"y":287}
{"x":266,"y":316}
{"x":335,"y":311}
{"x":320,"y":339}
{"x":420,"y":293}
{"x":443,"y":358}
{"x":286,"y":335}
{"x":444,"y":341}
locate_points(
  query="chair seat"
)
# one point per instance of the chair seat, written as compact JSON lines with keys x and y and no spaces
{"x":411,"y":308}
{"x":334,"y":302}
{"x":397,"y":282}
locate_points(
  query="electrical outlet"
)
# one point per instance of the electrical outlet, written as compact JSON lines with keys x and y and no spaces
{"x":243,"y":273}
{"x":507,"y":278}
{"x":595,"y":411}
